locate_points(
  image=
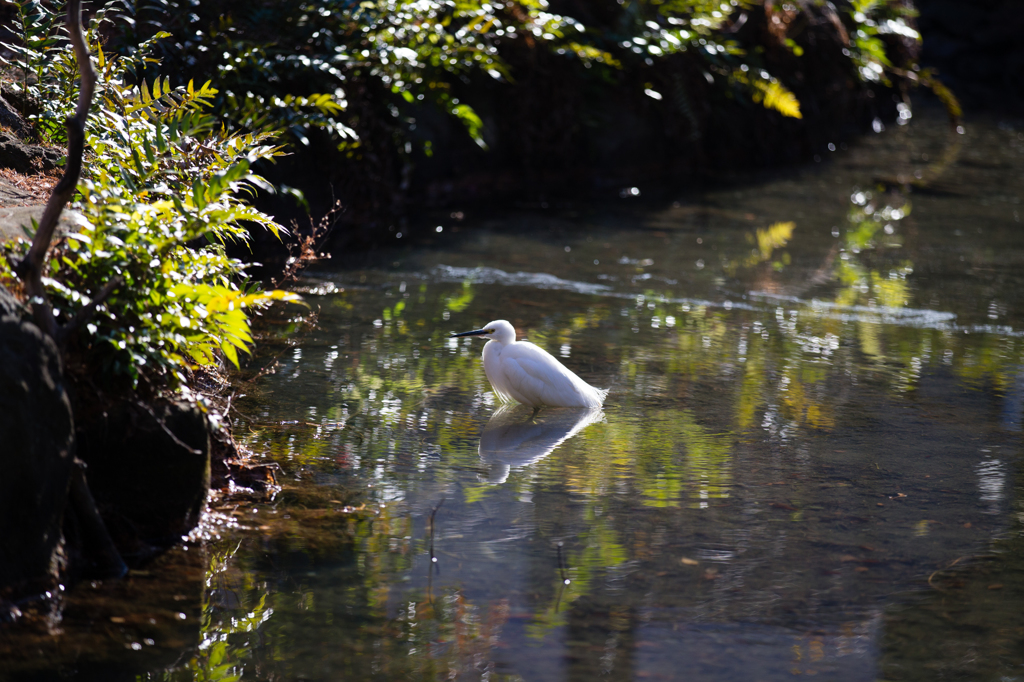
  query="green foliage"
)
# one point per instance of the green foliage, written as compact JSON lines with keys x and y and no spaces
{"x":163,"y":191}
{"x":44,"y":69}
{"x":289,"y":65}
{"x":365,"y":72}
{"x":767,"y":91}
{"x":872,"y":20}
{"x":369,"y":74}
{"x":328,"y":65}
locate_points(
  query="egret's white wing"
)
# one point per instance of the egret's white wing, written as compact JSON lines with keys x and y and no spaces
{"x":535,"y":375}
{"x":524,"y":379}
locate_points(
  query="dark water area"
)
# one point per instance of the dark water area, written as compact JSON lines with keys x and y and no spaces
{"x":807,"y":465}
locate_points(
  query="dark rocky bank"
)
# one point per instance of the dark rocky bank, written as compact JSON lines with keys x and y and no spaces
{"x":978,"y":50}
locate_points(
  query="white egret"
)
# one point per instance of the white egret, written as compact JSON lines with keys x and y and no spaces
{"x":526,"y":373}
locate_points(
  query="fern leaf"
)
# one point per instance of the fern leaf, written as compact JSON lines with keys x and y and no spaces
{"x":777,"y":97}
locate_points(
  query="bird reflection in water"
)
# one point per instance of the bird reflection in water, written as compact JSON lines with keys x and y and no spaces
{"x":516,"y":436}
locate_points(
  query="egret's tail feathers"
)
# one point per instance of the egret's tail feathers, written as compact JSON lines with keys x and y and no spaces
{"x":503,"y":397}
{"x":591,"y":396}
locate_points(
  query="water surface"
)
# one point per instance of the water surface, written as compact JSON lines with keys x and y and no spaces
{"x":811,"y":438}
{"x":815,"y":407}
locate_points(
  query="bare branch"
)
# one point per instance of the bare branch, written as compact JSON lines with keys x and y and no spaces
{"x":168,"y":431}
{"x":106,"y":560}
{"x":303,"y":251}
{"x":32,"y":267}
{"x":86,"y":312}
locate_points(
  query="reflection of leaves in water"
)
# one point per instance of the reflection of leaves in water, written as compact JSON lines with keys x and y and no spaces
{"x":868,"y":217}
{"x":872,"y":221}
{"x":768,"y":240}
{"x":668,"y":458}
{"x":395,"y":312}
{"x":699,"y":470}
{"x":600,"y":551}
{"x":442,"y":635}
{"x":399,"y":397}
{"x":381,"y":398}
{"x":216,"y":659}
{"x":461,"y":301}
{"x":773,"y":237}
{"x":475,"y":492}
{"x":891,"y":291}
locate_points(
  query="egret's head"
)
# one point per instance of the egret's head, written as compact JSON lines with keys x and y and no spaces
{"x":499,"y":330}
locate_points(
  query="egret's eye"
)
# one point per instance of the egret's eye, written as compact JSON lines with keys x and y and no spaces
{"x":490,"y":331}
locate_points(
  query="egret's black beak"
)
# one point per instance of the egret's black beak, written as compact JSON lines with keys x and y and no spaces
{"x":477,"y":332}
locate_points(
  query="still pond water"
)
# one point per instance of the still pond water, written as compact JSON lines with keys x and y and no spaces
{"x":808,"y":463}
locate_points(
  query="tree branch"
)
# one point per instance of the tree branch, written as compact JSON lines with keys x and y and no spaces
{"x":106,"y":560}
{"x":168,"y":431}
{"x":85,"y":313}
{"x":30,"y":270}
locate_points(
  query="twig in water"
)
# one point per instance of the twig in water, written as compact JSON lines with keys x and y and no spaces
{"x":432,"y":566}
{"x":561,"y":571}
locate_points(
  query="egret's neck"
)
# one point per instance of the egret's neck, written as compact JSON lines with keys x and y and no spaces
{"x":491,"y":355}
